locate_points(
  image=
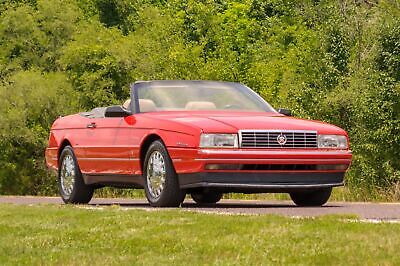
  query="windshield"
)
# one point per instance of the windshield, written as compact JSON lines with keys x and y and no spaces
{"x":198,"y":95}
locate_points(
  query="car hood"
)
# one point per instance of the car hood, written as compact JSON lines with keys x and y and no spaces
{"x":232,"y":122}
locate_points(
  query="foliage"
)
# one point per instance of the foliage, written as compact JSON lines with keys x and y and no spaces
{"x":336,"y":61}
{"x":29,"y":102}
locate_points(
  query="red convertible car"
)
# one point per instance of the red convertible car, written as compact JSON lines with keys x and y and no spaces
{"x":203,"y":138}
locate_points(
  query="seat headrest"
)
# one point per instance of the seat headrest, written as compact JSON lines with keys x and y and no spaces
{"x":126,"y":104}
{"x":200,"y":106}
{"x":147,"y":105}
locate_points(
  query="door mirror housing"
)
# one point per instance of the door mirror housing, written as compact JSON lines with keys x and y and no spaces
{"x":284,"y":111}
{"x":116,"y":111}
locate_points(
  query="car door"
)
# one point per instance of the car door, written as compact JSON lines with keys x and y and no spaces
{"x":112,"y":146}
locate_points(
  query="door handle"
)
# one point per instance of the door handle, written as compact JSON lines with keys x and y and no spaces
{"x":91,"y":125}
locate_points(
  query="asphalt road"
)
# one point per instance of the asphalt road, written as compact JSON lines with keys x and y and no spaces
{"x":389,"y":212}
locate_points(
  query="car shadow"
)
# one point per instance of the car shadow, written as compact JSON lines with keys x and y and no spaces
{"x":221,"y":205}
{"x":248,"y":206}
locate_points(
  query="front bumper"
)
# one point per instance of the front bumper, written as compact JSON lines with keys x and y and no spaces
{"x":261,"y":182}
{"x":190,"y":164}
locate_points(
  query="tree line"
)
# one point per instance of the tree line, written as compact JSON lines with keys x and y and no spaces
{"x":331,"y":60}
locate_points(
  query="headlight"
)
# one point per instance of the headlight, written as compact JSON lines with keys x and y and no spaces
{"x":218,"y":141}
{"x":332,"y":141}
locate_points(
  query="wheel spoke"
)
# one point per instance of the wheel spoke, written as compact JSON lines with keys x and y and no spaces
{"x":156,"y":174}
{"x":67,"y":175}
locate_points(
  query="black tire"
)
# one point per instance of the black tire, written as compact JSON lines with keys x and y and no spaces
{"x":170,"y":195}
{"x":209,"y":197}
{"x":313,"y":198}
{"x":81,"y":193}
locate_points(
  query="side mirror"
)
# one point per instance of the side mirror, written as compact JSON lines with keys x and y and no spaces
{"x":116,"y":111}
{"x":284,"y":111}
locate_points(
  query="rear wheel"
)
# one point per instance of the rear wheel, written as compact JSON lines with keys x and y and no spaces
{"x":70,"y":182}
{"x":161,"y":181}
{"x":311,"y":198}
{"x":208,"y":197}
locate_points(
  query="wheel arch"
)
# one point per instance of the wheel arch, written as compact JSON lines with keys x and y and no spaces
{"x":64,"y":143}
{"x":148,"y":140}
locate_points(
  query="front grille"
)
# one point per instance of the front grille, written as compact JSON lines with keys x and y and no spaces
{"x":282,"y":139}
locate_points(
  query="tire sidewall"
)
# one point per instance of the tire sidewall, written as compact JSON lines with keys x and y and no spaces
{"x":68,"y":151}
{"x":207,"y":197}
{"x":171,"y":181}
{"x":314,"y":198}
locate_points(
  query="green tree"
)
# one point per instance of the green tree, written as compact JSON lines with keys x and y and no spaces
{"x":29,"y":103}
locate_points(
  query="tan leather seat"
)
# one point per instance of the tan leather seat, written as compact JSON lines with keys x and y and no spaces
{"x":200,"y":106}
{"x":126,"y":104}
{"x":147,"y":105}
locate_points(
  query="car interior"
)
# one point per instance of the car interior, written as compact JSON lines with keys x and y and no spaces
{"x":147,"y":105}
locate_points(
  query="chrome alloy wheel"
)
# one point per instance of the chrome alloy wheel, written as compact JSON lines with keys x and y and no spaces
{"x":156,"y":174}
{"x":67,"y":175}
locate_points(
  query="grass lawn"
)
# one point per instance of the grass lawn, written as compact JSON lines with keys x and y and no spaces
{"x":53,"y":234}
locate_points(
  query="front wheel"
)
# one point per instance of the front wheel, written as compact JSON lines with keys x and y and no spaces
{"x":161,"y":181}
{"x":313,"y":198}
{"x":70,"y":182}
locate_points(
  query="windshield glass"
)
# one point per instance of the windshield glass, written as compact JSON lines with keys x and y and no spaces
{"x":198,"y":95}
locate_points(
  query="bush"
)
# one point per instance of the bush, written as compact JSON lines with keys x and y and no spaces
{"x":29,"y":103}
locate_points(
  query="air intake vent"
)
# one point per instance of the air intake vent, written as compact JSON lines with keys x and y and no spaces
{"x":282,"y":139}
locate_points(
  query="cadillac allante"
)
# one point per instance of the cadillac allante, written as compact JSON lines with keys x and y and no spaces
{"x":203,"y":138}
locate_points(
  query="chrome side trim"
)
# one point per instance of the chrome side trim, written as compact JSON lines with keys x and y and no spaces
{"x":269,"y":159}
{"x":108,"y":159}
{"x":107,"y":147}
